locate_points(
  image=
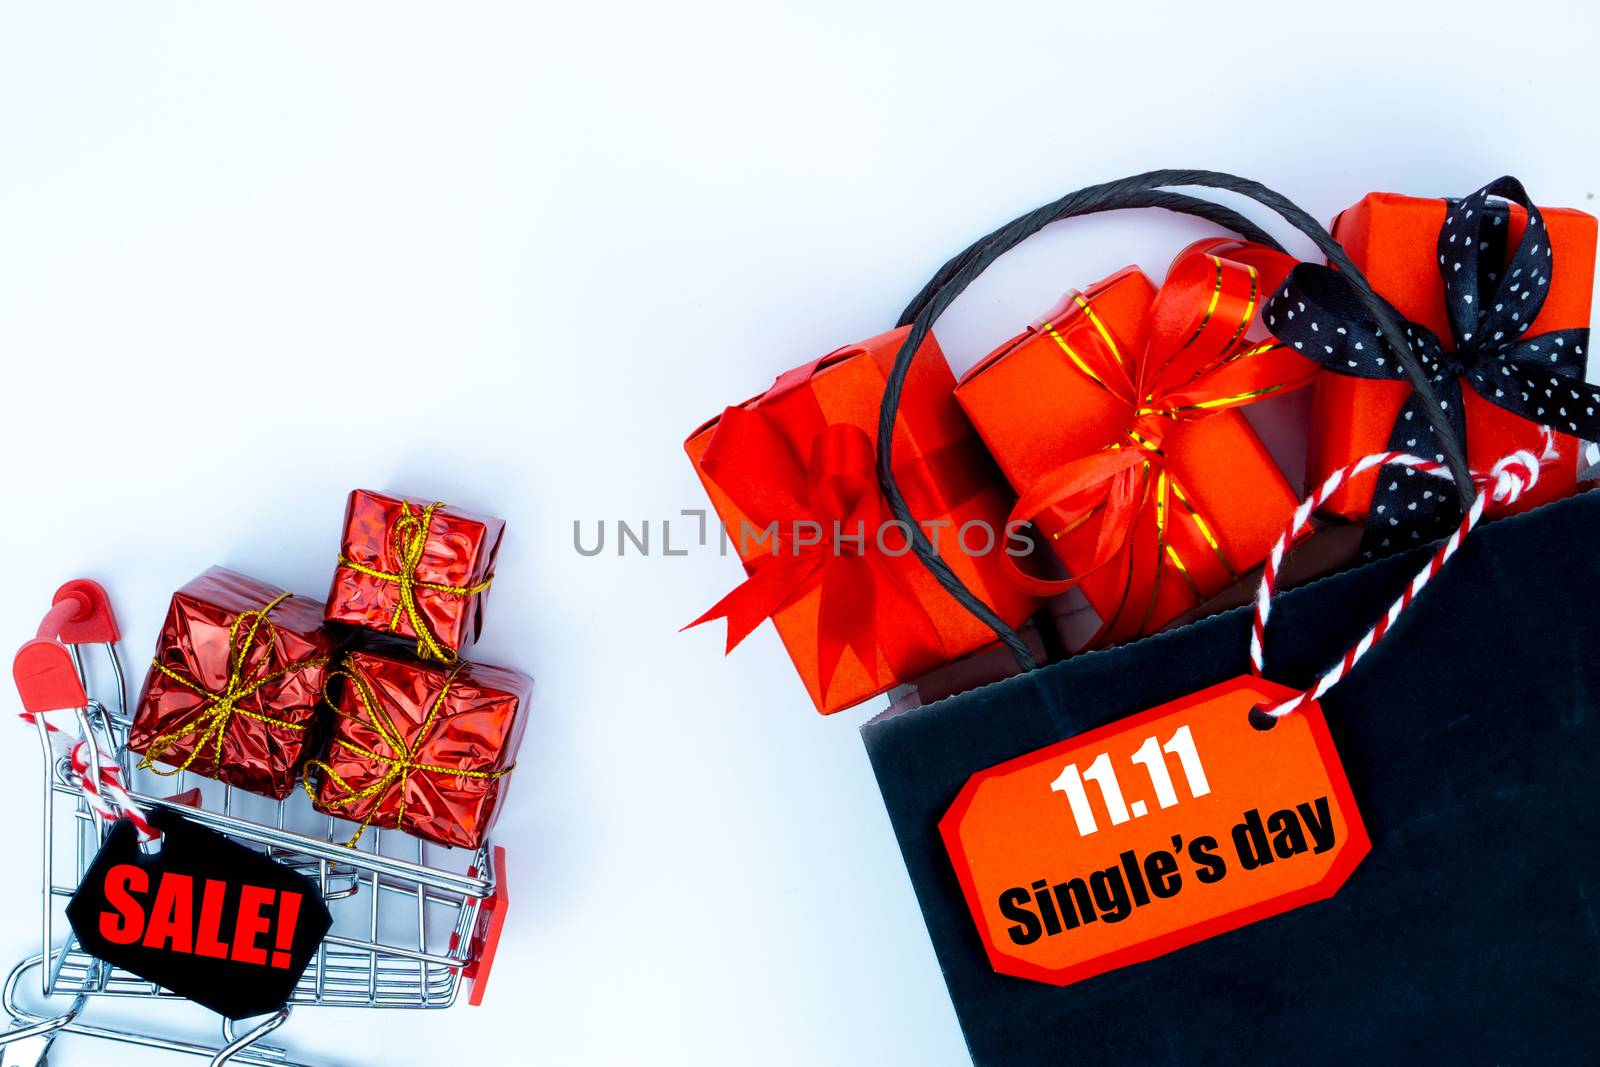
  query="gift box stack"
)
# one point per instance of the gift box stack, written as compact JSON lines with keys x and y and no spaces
{"x":363,"y":700}
{"x":1112,"y":429}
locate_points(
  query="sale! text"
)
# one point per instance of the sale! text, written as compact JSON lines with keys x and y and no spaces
{"x":171,"y":922}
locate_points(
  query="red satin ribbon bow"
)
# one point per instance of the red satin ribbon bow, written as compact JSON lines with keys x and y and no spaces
{"x":835,"y":492}
{"x":1184,"y":358}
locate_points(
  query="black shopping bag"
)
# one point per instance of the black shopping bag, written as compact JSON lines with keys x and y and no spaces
{"x":1471,"y":737}
{"x":1469,"y":934}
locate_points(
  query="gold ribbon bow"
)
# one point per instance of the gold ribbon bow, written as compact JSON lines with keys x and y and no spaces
{"x":410,"y":539}
{"x":400,"y":766}
{"x":1166,"y":356}
{"x":217,"y":712}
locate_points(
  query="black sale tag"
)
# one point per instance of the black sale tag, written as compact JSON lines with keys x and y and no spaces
{"x":205,"y":917}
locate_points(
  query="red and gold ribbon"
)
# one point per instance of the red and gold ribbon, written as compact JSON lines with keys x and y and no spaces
{"x":1188,"y":361}
{"x":410,"y":536}
{"x":399,"y":763}
{"x":217,"y":709}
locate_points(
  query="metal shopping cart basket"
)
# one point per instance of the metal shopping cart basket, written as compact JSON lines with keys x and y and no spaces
{"x":412,"y":920}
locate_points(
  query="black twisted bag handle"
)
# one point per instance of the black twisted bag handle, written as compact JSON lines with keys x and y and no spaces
{"x":1150,"y":189}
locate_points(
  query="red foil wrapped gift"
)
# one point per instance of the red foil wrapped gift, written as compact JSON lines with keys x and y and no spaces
{"x":1395,"y":241}
{"x":857,"y":612}
{"x":1115,"y":418}
{"x":421,"y":747}
{"x":415,"y":569}
{"x":233,"y":689}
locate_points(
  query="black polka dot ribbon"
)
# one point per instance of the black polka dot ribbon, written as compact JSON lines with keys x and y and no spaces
{"x":1491,"y":303}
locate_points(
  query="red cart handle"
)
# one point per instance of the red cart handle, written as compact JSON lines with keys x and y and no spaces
{"x":45,"y":677}
{"x":81,"y":615}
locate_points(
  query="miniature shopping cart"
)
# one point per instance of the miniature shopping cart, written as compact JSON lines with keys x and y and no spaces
{"x":411,"y":920}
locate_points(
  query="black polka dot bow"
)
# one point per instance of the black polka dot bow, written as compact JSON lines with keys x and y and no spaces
{"x":1491,"y":304}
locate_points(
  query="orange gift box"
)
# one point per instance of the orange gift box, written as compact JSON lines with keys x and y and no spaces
{"x":857,"y":612}
{"x":1113,"y":418}
{"x":1394,"y":240}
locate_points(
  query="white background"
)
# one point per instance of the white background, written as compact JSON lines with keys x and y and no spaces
{"x":252,"y":256}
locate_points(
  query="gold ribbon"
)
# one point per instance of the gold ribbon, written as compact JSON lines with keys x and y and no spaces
{"x":400,"y":766}
{"x":217,"y":710}
{"x":1192,"y":360}
{"x":411,"y":538}
{"x":1165,"y":548}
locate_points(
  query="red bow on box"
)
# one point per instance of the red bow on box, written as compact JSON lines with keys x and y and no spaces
{"x":1183,"y":357}
{"x":824,"y":523}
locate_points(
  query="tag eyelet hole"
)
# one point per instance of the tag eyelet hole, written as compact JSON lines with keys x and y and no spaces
{"x":1261,"y":720}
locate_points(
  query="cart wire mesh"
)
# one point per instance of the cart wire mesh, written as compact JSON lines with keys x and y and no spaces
{"x":410,"y":918}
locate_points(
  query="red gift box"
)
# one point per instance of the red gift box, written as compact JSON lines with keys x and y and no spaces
{"x":414,"y":569}
{"x":233,"y":689}
{"x":1114,"y":419}
{"x":1394,"y":240}
{"x":858,"y":613}
{"x":421,"y":747}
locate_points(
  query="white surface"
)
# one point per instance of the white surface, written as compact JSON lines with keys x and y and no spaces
{"x":252,"y":256}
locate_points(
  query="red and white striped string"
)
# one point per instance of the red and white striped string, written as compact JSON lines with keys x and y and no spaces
{"x":1506,"y":481}
{"x":101,"y":784}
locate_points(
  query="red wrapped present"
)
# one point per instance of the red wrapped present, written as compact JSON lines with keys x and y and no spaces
{"x":421,"y":747}
{"x":233,"y":688}
{"x":792,"y":473}
{"x":413,"y":569}
{"x":1115,"y":418}
{"x":1496,"y":295}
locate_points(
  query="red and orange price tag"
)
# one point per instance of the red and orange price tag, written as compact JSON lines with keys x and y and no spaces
{"x":1152,"y":833}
